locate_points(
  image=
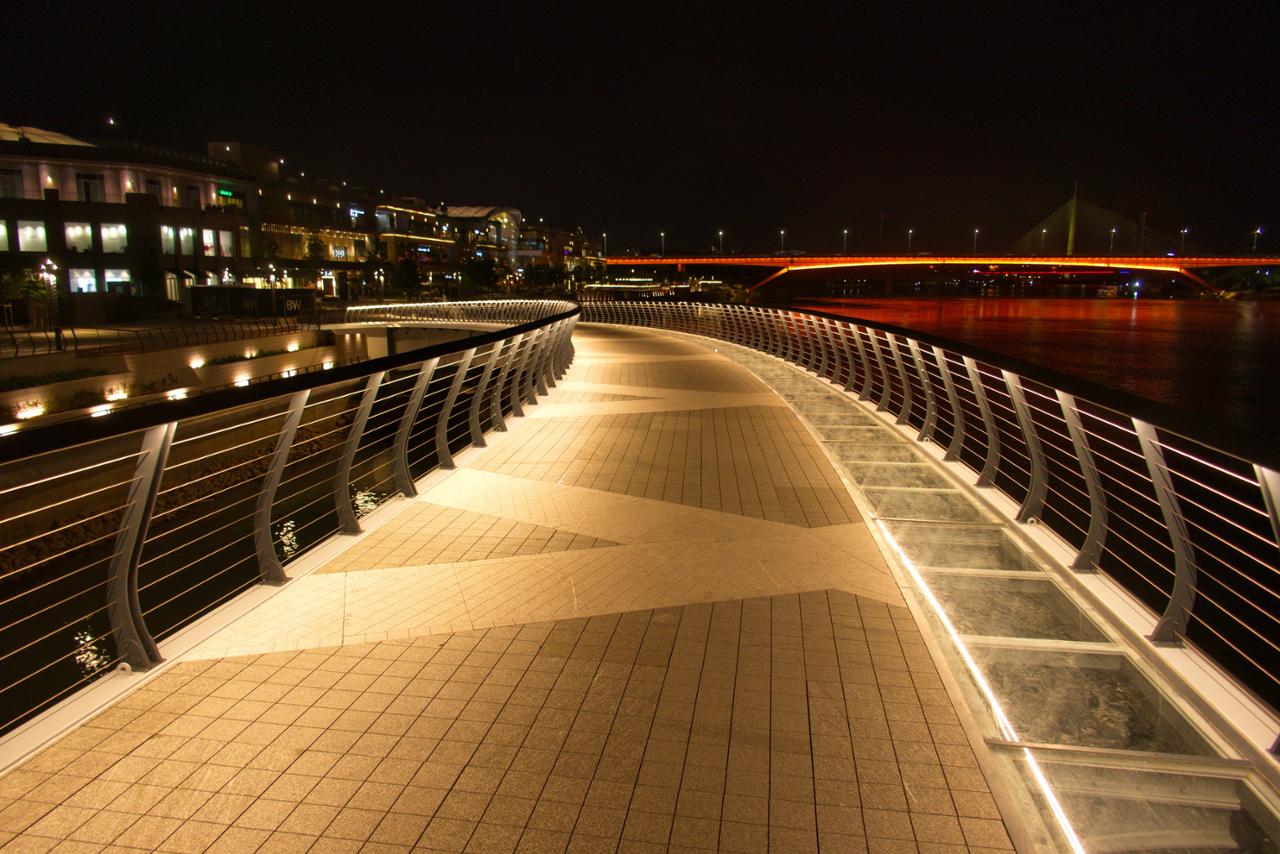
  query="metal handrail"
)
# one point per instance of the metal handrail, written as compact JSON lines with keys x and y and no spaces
{"x":1210,"y":498}
{"x":124,"y":528}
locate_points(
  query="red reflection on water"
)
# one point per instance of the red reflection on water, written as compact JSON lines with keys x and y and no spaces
{"x":1217,"y":359}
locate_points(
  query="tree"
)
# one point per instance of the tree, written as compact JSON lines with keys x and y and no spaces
{"x":315,"y":247}
{"x":20,"y":284}
{"x":405,"y":278}
{"x":375,"y":262}
{"x":478,"y":276}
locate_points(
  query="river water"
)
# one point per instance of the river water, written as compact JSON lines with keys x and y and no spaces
{"x":1219,"y":360}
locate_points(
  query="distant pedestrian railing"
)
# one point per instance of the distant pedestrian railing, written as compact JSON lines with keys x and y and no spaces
{"x":478,"y":311}
{"x":118,"y":531}
{"x":1185,"y":520}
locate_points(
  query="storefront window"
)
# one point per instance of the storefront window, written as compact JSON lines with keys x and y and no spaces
{"x":226,"y":245}
{"x":4,"y":236}
{"x":31,"y":236}
{"x":115,"y":238}
{"x":84,"y":281}
{"x":206,"y":241}
{"x":79,"y":236}
{"x":166,"y":239}
{"x":187,"y":240}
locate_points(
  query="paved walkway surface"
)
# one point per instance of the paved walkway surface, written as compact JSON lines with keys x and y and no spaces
{"x":649,"y":618}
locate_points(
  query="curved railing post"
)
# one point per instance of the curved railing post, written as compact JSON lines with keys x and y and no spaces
{"x":864,"y":393}
{"x":824,"y":345}
{"x":882,"y":404}
{"x":1037,"y":488}
{"x":134,"y":644}
{"x":930,"y":424}
{"x":400,"y":447}
{"x":543,"y":373}
{"x":813,"y":359}
{"x":905,"y":414}
{"x":530,"y":390}
{"x":478,"y":399}
{"x":991,"y":461}
{"x":516,"y":391}
{"x":444,"y":456}
{"x":1173,"y":623}
{"x":953,"y":400}
{"x":1090,"y":553}
{"x":510,"y":347}
{"x":347,"y":522}
{"x":1269,"y":483}
{"x":270,"y":570}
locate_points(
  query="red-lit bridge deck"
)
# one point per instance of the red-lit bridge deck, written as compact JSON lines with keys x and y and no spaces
{"x":1183,"y":266}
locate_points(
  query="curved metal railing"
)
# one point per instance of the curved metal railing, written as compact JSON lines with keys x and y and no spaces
{"x":476,"y":311}
{"x":1185,"y":521}
{"x":118,"y":531}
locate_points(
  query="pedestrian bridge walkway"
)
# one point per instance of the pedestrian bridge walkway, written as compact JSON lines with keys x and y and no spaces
{"x":696,"y":599}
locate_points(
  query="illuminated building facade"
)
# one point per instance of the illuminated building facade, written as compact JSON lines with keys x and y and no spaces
{"x":121,"y":217}
{"x":560,"y":254}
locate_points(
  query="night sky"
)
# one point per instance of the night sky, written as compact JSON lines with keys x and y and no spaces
{"x":750,"y":118}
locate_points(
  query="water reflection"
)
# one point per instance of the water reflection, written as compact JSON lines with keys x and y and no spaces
{"x":90,"y":655}
{"x":1213,"y":358}
{"x":287,"y":539}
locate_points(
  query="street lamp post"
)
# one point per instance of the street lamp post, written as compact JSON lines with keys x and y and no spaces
{"x":662,"y":241}
{"x":720,"y":234}
{"x":1111,"y":248}
{"x":1257,"y":232}
{"x":910,"y":233}
{"x":1182,"y":243}
{"x":844,"y":234}
{"x":49,"y":277}
{"x":605,"y":235}
{"x":782,"y":240}
{"x":975,"y":241}
{"x":1044,"y":232}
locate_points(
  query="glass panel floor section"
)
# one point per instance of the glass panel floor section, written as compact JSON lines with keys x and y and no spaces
{"x":1101,"y":758}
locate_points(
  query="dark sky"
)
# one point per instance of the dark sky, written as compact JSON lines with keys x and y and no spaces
{"x":750,"y":117}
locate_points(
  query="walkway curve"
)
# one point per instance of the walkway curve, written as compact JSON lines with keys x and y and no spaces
{"x":649,"y":617}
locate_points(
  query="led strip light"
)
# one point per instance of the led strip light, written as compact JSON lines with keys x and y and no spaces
{"x":1002,"y":720}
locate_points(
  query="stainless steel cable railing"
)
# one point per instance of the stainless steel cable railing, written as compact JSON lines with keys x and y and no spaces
{"x":121,"y":530}
{"x":1183,"y":519}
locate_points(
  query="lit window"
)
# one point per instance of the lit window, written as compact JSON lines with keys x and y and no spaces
{"x":31,"y":236}
{"x":84,"y":281}
{"x":206,"y":241}
{"x":10,"y":184}
{"x":79,"y":236}
{"x":115,"y":238}
{"x":225,"y":244}
{"x":116,"y":280}
{"x":166,"y":239}
{"x":92,"y":188}
{"x":4,"y":236}
{"x":187,"y":240}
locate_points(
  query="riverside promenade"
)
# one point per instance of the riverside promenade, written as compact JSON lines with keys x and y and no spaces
{"x":649,"y":617}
